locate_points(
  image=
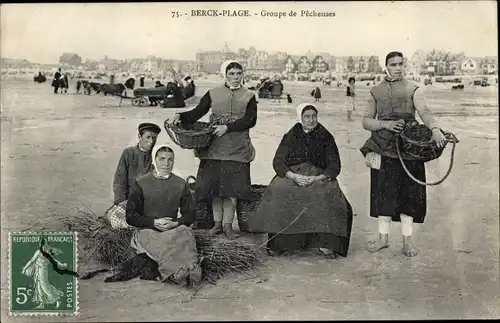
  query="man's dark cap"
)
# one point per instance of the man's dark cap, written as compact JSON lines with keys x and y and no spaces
{"x":187,"y":78}
{"x":149,"y":127}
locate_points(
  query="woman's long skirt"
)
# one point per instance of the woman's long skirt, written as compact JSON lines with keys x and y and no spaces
{"x":222,"y":178}
{"x":325,"y":219}
{"x":302,"y":241}
{"x":393,"y":192}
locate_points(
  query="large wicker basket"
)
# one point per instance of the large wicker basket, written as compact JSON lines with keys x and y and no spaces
{"x":246,"y":208}
{"x":204,"y":218}
{"x":415,"y":143}
{"x":191,"y":136}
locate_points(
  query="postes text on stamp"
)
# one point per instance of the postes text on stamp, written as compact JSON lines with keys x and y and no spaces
{"x":42,"y":273}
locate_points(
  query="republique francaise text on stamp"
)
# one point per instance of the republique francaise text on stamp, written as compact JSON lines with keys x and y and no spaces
{"x":42,"y":273}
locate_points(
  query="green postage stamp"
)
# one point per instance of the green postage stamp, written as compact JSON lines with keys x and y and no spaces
{"x":42,"y":273}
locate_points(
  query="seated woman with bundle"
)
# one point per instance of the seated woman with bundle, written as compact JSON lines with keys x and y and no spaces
{"x":304,"y":207}
{"x":165,"y":242}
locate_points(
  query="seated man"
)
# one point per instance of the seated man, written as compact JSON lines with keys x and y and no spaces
{"x":135,"y":161}
{"x":161,"y":235}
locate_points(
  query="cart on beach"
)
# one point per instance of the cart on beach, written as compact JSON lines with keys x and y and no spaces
{"x":144,"y":96}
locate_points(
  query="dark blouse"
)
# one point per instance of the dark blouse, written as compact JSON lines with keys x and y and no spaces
{"x":154,"y":198}
{"x":349,"y":91}
{"x":242,"y":124}
{"x":317,"y":147}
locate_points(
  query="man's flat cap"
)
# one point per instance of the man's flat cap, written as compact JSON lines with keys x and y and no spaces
{"x":149,"y":127}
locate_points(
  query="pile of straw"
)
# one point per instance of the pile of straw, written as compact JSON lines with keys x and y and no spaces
{"x":101,"y":243}
{"x":221,"y":256}
{"x":98,"y":241}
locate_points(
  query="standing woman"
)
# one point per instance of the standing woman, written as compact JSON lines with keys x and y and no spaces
{"x":350,"y":94}
{"x":394,"y":196}
{"x":224,"y":170}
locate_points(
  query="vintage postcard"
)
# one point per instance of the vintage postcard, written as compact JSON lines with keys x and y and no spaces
{"x":266,"y":160}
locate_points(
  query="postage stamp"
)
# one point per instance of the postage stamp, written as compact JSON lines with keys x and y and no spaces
{"x":42,"y":273}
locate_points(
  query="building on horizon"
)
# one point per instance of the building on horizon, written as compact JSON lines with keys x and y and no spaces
{"x":210,"y":61}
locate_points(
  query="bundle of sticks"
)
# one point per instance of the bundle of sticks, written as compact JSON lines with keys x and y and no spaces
{"x":101,"y":243}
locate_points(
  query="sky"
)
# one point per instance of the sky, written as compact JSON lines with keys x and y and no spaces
{"x":42,"y":32}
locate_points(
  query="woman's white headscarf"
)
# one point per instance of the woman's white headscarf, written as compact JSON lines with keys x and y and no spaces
{"x":223,"y":72}
{"x":300,"y":109}
{"x":153,"y":156}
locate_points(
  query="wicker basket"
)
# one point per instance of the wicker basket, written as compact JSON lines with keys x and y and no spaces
{"x":246,"y":208}
{"x":415,"y":143}
{"x":191,"y":136}
{"x":204,"y":218}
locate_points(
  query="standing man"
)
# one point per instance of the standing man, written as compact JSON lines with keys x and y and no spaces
{"x":394,"y":196}
{"x":56,"y":82}
{"x":135,"y":161}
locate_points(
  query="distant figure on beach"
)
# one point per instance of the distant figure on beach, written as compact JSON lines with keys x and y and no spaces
{"x":64,"y":84}
{"x":40,"y":78}
{"x":189,"y":88}
{"x":56,"y":82}
{"x":316,"y":94}
{"x":276,"y":89}
{"x":350,"y":98}
{"x":78,"y":86}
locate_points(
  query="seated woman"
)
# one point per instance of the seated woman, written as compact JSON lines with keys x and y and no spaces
{"x":165,"y":239}
{"x":175,"y":97}
{"x":190,"y":88}
{"x":303,"y":206}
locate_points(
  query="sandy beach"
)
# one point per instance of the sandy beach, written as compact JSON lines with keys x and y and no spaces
{"x":60,"y":151}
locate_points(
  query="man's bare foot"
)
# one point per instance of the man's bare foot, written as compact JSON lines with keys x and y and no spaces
{"x":382,"y":243}
{"x":408,"y":249}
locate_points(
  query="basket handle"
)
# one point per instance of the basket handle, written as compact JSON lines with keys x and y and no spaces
{"x":453,"y":139}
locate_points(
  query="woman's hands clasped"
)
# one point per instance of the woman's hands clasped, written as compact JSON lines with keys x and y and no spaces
{"x":305,"y":181}
{"x":164,"y":224}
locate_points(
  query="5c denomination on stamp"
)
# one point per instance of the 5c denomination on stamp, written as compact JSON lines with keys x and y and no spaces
{"x":42,"y":273}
